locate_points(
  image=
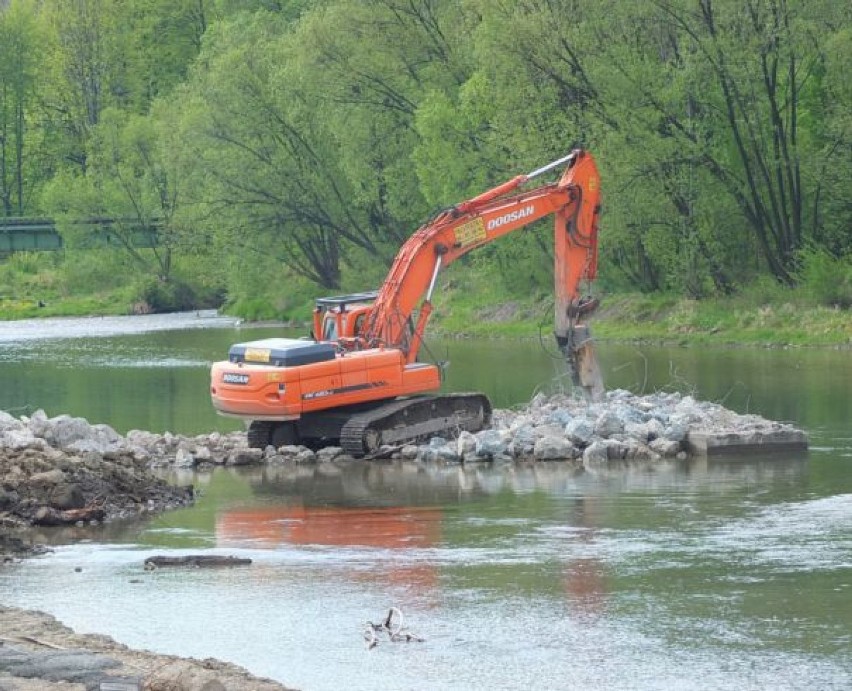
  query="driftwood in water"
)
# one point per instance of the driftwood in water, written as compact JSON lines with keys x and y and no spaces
{"x":50,"y":516}
{"x":196,"y":560}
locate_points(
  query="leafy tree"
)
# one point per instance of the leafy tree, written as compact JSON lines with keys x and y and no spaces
{"x":83,"y":65}
{"x":739,"y":74}
{"x":19,"y":59}
{"x":127,"y":181}
{"x":158,"y":40}
{"x":305,"y":131}
{"x":827,"y":122}
{"x":263,"y":188}
{"x":368,"y":67}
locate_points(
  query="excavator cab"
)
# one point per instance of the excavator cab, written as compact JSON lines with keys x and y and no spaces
{"x":342,"y":317}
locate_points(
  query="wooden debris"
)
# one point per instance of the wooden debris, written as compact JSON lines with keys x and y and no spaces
{"x":195,"y":560}
{"x":52,"y":517}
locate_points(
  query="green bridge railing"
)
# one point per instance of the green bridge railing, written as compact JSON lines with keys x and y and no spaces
{"x":40,"y":234}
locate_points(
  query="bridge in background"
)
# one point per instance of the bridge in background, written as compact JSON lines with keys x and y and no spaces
{"x":40,"y":234}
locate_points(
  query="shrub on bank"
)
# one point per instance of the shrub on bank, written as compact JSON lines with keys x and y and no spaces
{"x":157,"y":295}
{"x":827,"y":279}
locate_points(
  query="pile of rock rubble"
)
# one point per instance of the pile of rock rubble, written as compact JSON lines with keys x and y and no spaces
{"x":560,"y":427}
{"x":625,"y":427}
{"x":62,"y":470}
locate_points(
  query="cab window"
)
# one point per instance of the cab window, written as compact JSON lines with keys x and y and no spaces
{"x":329,"y":329}
{"x":359,"y":324}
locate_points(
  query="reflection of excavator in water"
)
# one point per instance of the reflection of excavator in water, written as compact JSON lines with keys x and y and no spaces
{"x":359,"y":384}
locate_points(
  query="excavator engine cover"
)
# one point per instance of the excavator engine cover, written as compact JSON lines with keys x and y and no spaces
{"x":281,"y":352}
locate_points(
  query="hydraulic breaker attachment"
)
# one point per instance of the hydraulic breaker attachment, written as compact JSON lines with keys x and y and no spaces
{"x":578,"y":347}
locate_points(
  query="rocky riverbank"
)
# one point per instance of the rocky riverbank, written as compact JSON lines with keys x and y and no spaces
{"x":64,"y":470}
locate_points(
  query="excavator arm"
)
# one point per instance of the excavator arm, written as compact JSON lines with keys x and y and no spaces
{"x":574,"y":202}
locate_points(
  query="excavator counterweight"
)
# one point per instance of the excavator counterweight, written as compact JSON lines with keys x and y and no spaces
{"x":359,"y":383}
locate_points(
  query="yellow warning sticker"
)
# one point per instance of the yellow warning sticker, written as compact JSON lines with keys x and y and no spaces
{"x":470,"y":232}
{"x":257,"y":355}
{"x":593,"y":184}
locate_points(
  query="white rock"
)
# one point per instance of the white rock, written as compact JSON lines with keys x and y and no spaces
{"x":608,"y":423}
{"x":9,"y":422}
{"x":596,"y":453}
{"x":491,"y":442}
{"x":329,"y":453}
{"x":184,"y":459}
{"x":676,"y":430}
{"x":552,"y":449}
{"x":465,"y":444}
{"x":16,"y":439}
{"x":65,"y":430}
{"x":305,"y":456}
{"x":667,"y":448}
{"x":408,"y":452}
{"x":580,"y":431}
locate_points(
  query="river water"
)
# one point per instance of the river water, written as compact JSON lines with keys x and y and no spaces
{"x":728,"y":574}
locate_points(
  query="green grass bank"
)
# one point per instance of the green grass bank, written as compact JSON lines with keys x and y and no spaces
{"x":471,"y":301}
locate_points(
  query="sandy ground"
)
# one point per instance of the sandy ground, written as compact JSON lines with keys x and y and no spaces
{"x":39,"y":652}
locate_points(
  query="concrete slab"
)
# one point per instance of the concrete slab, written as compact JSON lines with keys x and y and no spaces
{"x":772,"y":438}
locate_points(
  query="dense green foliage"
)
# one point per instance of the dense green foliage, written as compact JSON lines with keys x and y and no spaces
{"x":289,"y":146}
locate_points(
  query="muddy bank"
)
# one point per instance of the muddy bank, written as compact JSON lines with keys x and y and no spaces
{"x":64,"y":471}
{"x":40,"y":653}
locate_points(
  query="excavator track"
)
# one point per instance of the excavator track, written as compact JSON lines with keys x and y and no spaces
{"x":413,"y":419}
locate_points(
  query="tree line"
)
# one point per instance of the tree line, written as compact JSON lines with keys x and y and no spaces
{"x":316,"y":135}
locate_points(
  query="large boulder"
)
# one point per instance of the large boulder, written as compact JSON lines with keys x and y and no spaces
{"x":580,"y":431}
{"x":329,"y":453}
{"x":492,"y":442}
{"x":409,"y":452}
{"x":9,"y":422}
{"x":64,"y":430}
{"x":553,"y":448}
{"x":677,"y":428}
{"x":101,"y":439}
{"x":667,"y":448}
{"x":250,"y":456}
{"x":608,"y":424}
{"x":184,"y":458}
{"x":17,"y":439}
{"x":560,"y":416}
{"x":644,"y":431}
{"x":465,"y":443}
{"x":595,"y":454}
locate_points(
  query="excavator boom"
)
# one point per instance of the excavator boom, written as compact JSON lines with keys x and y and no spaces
{"x":574,"y":202}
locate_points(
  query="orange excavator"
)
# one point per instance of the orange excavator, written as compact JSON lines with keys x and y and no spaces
{"x":357,"y":382}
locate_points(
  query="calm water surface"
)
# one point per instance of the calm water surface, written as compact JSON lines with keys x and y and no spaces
{"x":713,"y":575}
